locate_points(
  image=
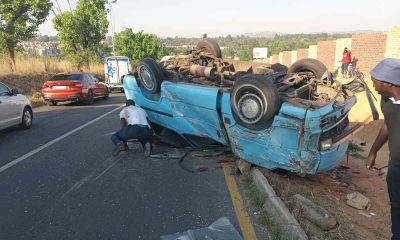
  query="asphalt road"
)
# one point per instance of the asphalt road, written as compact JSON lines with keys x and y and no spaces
{"x":75,"y":189}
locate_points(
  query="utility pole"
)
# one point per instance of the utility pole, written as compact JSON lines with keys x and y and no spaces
{"x":112,"y":26}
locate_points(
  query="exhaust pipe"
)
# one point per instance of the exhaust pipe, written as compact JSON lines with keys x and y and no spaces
{"x":201,"y":71}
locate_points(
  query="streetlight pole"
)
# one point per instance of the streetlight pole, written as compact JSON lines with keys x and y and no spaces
{"x":112,"y":26}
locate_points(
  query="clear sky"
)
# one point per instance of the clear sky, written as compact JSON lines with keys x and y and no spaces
{"x":190,"y":18}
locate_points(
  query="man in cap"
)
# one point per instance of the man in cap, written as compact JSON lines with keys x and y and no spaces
{"x":134,"y":125}
{"x":386,"y":81}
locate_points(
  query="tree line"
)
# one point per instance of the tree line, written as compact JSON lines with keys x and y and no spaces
{"x":82,"y":31}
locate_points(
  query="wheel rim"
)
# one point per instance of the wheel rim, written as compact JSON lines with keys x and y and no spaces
{"x":27,"y":118}
{"x":251,"y":104}
{"x":146,"y":79}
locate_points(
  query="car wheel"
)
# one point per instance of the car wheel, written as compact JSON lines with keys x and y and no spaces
{"x":210,"y":46}
{"x":52,"y":103}
{"x":254,"y":101}
{"x":27,"y":118}
{"x":308,"y":65}
{"x":90,"y":98}
{"x":122,"y":90}
{"x":106,"y":93}
{"x":150,"y":75}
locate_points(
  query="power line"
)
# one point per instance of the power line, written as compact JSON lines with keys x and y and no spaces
{"x":59,"y":8}
{"x":69,"y":4}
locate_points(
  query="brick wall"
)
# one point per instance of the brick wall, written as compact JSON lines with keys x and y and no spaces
{"x":340,"y":45}
{"x":312,"y":51}
{"x":369,"y":49}
{"x":302,"y":53}
{"x":293,"y":56}
{"x":280,"y":57}
{"x":286,"y":55}
{"x":393,"y":43}
{"x":275,"y":59}
{"x":326,"y":53}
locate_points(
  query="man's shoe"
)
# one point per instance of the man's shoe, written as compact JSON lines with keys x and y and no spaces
{"x":146,"y":150}
{"x":117,"y":149}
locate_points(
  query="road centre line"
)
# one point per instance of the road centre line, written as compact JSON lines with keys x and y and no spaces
{"x":29,"y":154}
{"x":247,"y":228}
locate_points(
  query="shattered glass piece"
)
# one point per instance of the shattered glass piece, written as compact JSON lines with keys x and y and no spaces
{"x":221,"y":229}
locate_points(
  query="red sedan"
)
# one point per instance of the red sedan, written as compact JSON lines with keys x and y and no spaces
{"x":74,"y":87}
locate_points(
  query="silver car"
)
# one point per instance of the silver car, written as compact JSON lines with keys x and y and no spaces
{"x":15,"y":108}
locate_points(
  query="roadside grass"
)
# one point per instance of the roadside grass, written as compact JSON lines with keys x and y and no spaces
{"x":256,"y":202}
{"x":354,"y":148}
{"x":286,"y":185}
{"x":32,"y":72}
{"x":355,"y":151}
{"x":37,"y":65}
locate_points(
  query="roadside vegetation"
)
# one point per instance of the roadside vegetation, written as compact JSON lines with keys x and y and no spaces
{"x":81,"y":37}
{"x":256,"y":202}
{"x":32,"y":72}
{"x":242,"y":46}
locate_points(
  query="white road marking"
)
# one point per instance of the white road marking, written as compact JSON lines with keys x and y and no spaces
{"x":29,"y":154}
{"x":109,"y":167}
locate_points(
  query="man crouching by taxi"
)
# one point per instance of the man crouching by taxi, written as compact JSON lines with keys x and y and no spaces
{"x":134,"y":125}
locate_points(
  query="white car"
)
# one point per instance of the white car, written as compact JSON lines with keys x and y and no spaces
{"x":15,"y":108}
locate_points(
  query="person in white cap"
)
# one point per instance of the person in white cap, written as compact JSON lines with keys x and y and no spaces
{"x":386,"y":81}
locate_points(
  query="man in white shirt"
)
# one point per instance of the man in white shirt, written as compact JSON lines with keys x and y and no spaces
{"x":134,"y":125}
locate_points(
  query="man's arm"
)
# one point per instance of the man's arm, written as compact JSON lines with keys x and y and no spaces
{"x":148,"y":122}
{"x":381,"y":139}
{"x":123,"y":122}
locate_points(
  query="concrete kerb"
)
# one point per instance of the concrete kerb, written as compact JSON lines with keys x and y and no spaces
{"x":274,"y":205}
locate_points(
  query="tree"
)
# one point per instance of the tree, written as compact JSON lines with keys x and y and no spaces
{"x":137,"y":45}
{"x":244,"y":53}
{"x":19,"y":21}
{"x":82,"y":30}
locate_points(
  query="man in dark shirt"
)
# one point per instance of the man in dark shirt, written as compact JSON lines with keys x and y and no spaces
{"x":386,"y":80}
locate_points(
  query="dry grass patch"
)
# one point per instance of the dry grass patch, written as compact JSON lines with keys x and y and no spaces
{"x":34,"y":65}
{"x":32,"y":72}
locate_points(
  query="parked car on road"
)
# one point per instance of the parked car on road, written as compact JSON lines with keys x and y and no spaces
{"x":15,"y":108}
{"x":296,"y":120}
{"x":74,"y":87}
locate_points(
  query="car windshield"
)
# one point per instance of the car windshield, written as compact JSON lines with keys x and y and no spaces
{"x":66,"y":77}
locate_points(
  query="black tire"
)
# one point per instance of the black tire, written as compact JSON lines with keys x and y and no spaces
{"x":211,"y":47}
{"x":106,"y":93}
{"x":261,"y":97}
{"x":309,"y":65}
{"x":90,"y":99}
{"x":122,"y":90}
{"x":52,"y":103}
{"x":27,"y":118}
{"x":150,"y":75}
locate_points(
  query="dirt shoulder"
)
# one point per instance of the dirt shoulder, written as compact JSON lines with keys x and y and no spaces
{"x":329,"y":190}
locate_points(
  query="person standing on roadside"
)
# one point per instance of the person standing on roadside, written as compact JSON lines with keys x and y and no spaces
{"x":386,"y":81}
{"x":134,"y":125}
{"x":346,"y":60}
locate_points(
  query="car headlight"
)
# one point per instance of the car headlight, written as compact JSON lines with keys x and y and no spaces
{"x":325,"y":145}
